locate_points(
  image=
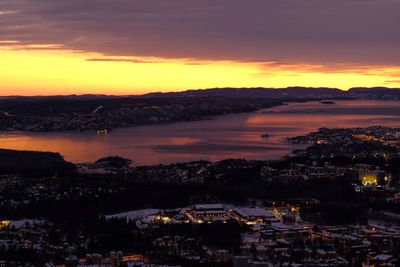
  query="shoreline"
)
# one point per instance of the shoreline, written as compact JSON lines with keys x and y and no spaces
{"x":213,"y":138}
{"x":274,"y":103}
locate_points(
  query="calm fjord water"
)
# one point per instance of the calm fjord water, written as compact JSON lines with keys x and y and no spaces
{"x":228,"y":136}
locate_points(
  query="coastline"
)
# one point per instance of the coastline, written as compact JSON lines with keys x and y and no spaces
{"x":250,"y":109}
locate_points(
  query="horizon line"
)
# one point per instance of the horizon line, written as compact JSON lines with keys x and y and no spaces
{"x":198,"y":89}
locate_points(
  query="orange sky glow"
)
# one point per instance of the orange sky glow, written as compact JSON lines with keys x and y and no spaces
{"x":50,"y":69}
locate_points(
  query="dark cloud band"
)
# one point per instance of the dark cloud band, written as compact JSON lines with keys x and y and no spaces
{"x":293,"y":31}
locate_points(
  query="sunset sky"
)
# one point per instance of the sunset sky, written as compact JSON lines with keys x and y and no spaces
{"x":52,"y":47}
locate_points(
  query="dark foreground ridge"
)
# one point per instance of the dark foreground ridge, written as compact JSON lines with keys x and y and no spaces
{"x":104,"y":113}
{"x":33,"y":163}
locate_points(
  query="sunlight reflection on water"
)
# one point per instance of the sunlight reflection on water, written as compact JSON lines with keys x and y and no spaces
{"x":228,"y":136}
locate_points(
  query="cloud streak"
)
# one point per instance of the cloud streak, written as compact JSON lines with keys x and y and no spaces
{"x":121,"y":60}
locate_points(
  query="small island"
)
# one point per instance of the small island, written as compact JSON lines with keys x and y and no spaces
{"x":327,"y":102}
{"x":265,"y":135}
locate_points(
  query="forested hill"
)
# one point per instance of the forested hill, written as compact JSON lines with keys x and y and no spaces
{"x":32,"y":162}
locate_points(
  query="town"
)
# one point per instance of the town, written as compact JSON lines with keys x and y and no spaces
{"x":334,"y":203}
{"x":187,"y":133}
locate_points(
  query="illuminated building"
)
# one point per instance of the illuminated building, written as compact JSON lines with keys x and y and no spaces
{"x":4,"y":224}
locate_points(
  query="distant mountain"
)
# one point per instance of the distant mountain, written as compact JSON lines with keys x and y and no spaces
{"x":372,"y":90}
{"x":274,"y":93}
{"x":251,"y":92}
{"x":57,"y":105}
{"x":102,"y":112}
{"x":289,"y":92}
{"x":382,"y":93}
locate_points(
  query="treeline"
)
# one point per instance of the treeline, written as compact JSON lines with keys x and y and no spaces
{"x":121,"y":194}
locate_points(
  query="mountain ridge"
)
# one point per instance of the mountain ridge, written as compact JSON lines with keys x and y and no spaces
{"x":216,"y":90}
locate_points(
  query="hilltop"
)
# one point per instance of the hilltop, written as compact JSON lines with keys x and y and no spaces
{"x":33,"y":162}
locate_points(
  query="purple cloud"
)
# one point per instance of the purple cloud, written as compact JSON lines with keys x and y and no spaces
{"x":290,"y":31}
